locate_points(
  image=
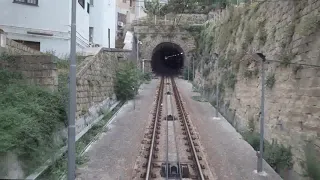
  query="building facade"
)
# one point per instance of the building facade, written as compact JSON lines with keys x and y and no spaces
{"x":45,"y":25}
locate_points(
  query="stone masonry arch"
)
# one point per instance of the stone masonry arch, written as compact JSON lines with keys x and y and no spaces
{"x":152,"y":36}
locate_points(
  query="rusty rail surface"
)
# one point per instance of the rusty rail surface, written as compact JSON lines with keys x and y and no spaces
{"x":156,"y":118}
{"x":184,"y":117}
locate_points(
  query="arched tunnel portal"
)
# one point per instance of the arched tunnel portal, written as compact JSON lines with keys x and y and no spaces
{"x":167,"y":59}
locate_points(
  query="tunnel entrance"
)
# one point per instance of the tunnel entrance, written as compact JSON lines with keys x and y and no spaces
{"x":167,"y":59}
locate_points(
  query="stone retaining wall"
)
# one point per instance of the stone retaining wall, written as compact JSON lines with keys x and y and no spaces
{"x":38,"y":69}
{"x":95,"y":83}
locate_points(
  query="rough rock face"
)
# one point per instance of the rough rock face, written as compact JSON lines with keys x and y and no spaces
{"x":284,"y":31}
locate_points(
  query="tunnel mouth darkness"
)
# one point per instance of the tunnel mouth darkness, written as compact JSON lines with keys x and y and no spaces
{"x":167,"y":59}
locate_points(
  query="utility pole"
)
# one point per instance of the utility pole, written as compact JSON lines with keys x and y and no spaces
{"x":135,"y":90}
{"x":193,"y":73}
{"x":72,"y":97}
{"x":260,"y":157}
{"x":202,"y":77}
{"x":188,"y":71}
{"x":217,"y":85}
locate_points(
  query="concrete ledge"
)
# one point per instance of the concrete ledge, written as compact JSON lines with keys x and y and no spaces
{"x":64,"y":149}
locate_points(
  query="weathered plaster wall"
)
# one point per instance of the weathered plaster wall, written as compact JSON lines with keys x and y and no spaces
{"x":287,"y":31}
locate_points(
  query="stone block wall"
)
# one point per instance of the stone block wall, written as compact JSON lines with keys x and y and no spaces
{"x":285,"y":31}
{"x":95,"y":79}
{"x":38,"y":69}
{"x":152,"y":36}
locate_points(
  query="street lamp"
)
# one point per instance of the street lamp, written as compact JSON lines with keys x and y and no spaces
{"x":138,"y":43}
{"x":262,"y":58}
{"x":217,"y":85}
{"x":72,"y":96}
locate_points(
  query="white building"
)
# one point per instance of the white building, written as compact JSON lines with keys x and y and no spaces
{"x":46,"y":24}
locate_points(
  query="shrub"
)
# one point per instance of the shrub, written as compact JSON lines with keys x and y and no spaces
{"x":231,"y":80}
{"x":185,"y":74}
{"x":278,"y":156}
{"x":126,"y":81}
{"x":147,"y":76}
{"x":270,"y":81}
{"x":30,"y":115}
{"x":312,"y":163}
{"x":253,"y":138}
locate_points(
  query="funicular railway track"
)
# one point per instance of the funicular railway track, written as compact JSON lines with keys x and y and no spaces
{"x":171,"y":147}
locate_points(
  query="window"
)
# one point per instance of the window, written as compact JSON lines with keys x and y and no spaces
{"x":81,"y":2}
{"x":124,"y":1}
{"x":30,"y":44}
{"x":90,"y":34}
{"x":28,"y":2}
{"x":91,"y":2}
{"x":88,"y":8}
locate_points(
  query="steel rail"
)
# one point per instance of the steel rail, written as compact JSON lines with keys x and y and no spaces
{"x":158,"y":109}
{"x":167,"y":149}
{"x":180,"y":106}
{"x":175,"y":138}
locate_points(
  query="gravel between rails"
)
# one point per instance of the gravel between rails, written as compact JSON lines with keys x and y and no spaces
{"x":228,"y":155}
{"x":113,"y":155}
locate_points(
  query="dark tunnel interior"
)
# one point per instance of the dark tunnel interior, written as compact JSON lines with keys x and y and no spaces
{"x":167,"y":59}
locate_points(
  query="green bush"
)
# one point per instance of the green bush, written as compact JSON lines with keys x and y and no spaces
{"x":270,"y":80}
{"x":277,"y":155}
{"x":253,"y":138}
{"x":29,"y":116}
{"x":126,"y":81}
{"x":312,"y":163}
{"x":147,"y":76}
{"x":185,"y":74}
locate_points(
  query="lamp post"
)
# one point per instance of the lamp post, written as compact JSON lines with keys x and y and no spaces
{"x":135,"y":90}
{"x":72,"y":98}
{"x":193,"y":73}
{"x":261,"y":57}
{"x":217,"y":85}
